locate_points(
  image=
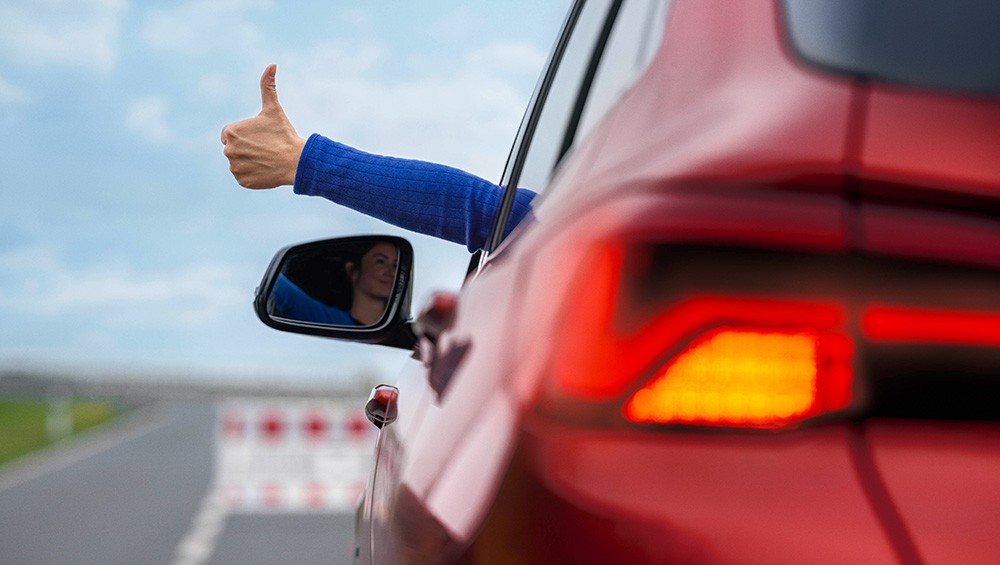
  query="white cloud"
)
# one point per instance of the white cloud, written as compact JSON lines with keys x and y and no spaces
{"x":80,"y":33}
{"x":148,"y":118}
{"x":508,"y":57}
{"x":34,"y":280}
{"x":464,"y":115}
{"x":198,"y":27}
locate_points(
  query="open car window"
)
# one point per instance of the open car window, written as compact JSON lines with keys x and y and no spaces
{"x":604,"y":47}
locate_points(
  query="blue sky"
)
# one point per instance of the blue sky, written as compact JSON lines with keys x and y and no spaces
{"x":126,"y":245}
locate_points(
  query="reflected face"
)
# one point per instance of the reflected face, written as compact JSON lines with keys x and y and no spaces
{"x":377,"y":272}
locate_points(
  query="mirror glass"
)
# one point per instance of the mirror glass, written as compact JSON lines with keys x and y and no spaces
{"x":345,"y":283}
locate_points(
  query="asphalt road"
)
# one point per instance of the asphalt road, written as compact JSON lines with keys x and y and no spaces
{"x":140,"y":492}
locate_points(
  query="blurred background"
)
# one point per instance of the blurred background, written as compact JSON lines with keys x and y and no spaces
{"x":129,"y":255}
{"x":125,"y":244}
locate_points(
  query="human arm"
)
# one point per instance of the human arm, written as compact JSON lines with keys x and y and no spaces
{"x":288,"y":300}
{"x":420,"y":196}
{"x":437,"y":200}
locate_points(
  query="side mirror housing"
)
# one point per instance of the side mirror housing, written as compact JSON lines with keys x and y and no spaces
{"x":350,"y":288}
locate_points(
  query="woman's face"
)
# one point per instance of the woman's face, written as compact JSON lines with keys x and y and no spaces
{"x":377,"y":271}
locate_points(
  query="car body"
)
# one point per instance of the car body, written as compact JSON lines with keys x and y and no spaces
{"x":753,"y":317}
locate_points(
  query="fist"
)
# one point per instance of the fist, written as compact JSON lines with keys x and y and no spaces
{"x":264,"y":150}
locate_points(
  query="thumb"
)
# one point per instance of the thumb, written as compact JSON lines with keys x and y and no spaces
{"x":269,"y":91}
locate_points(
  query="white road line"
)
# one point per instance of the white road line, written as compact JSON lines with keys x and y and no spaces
{"x":198,"y":544}
{"x":92,"y":442}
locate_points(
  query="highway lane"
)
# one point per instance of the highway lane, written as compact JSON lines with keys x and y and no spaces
{"x":135,"y":492}
{"x":295,"y":538}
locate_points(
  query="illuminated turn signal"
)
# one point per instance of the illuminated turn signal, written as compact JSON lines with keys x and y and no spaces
{"x":748,"y":377}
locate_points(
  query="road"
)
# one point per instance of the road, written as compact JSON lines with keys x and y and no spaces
{"x":143,"y":491}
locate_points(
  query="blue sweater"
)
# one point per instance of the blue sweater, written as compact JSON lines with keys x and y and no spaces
{"x":287,"y":300}
{"x":424,"y":197}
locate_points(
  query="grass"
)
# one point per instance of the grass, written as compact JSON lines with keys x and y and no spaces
{"x":23,"y":429}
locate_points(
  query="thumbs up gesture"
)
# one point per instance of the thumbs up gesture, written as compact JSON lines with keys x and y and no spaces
{"x":264,"y":150}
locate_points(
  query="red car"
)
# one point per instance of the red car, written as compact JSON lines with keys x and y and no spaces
{"x":754,"y":316}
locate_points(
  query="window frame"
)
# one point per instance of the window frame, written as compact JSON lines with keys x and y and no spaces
{"x":525,"y":136}
{"x":519,"y":149}
{"x":580,"y":88}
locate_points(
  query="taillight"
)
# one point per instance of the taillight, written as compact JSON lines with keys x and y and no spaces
{"x":723,"y":360}
{"x":755,"y":377}
{"x":913,"y":325}
{"x":663,"y":333}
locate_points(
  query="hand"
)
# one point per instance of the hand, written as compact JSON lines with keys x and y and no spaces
{"x":263,"y":151}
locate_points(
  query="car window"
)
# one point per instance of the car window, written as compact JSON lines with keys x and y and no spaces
{"x":634,"y":40}
{"x":606,"y":45}
{"x":923,"y":43}
{"x":557,"y":108}
{"x":612,"y":44}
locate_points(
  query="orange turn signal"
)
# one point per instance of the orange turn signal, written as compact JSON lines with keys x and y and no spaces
{"x":751,"y":377}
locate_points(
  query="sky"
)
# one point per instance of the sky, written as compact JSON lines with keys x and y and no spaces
{"x":127,"y":247}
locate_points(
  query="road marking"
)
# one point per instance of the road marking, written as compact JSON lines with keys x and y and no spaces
{"x":96,"y":440}
{"x":199,"y":543}
{"x":279,"y":456}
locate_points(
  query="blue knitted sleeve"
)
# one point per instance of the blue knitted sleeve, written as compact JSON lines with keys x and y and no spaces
{"x":288,"y":300}
{"x":424,"y":197}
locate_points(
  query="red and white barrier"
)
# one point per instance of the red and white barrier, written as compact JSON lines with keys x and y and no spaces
{"x":292,"y":455}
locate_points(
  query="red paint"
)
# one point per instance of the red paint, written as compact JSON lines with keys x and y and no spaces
{"x":315,"y":494}
{"x":315,"y":426}
{"x":357,"y":428}
{"x":272,"y":494}
{"x":946,"y":143}
{"x":272,"y":426}
{"x":233,"y":426}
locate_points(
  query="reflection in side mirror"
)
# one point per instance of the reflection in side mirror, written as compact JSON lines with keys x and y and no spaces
{"x":349,"y":288}
{"x":347,"y":284}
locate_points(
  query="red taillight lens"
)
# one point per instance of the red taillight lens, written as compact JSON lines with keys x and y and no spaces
{"x":746,"y":361}
{"x":912,"y":325}
{"x":748,"y":377}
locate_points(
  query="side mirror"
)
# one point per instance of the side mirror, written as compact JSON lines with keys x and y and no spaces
{"x":351,"y":288}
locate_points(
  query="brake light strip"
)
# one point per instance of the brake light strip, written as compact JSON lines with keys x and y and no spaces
{"x":910,"y":325}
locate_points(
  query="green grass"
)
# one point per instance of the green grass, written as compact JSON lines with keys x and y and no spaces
{"x":22,"y":423}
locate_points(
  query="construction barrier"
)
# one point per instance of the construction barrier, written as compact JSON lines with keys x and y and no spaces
{"x":292,"y":455}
